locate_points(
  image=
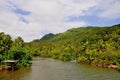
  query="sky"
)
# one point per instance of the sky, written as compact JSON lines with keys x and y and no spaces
{"x":31,"y":19}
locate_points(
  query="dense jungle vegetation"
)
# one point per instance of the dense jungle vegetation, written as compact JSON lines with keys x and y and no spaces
{"x":14,"y":50}
{"x":99,"y":46}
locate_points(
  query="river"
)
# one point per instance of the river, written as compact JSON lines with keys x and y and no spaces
{"x":50,"y":69}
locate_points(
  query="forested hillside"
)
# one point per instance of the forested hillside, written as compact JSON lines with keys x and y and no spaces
{"x":46,"y":37}
{"x":98,"y":46}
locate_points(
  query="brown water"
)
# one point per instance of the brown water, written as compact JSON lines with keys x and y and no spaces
{"x":49,"y":69}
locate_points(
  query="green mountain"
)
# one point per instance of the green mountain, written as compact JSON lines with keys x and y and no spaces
{"x":45,"y":37}
{"x":81,"y":34}
{"x":98,"y":46}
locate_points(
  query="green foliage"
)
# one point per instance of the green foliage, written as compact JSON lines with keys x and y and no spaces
{"x":1,"y":57}
{"x":18,"y":42}
{"x":66,"y":56}
{"x":16,"y":53}
{"x":21,"y":54}
{"x":46,"y":37}
{"x":14,"y":49}
{"x":98,"y":46}
{"x":5,"y":43}
{"x":56,"y":54}
{"x":118,"y":65}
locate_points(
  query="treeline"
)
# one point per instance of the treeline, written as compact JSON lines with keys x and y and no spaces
{"x":99,"y":46}
{"x":14,"y":50}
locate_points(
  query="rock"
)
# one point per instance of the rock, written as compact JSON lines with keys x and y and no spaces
{"x":112,"y":66}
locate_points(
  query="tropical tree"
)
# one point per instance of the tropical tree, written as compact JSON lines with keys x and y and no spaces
{"x":5,"y":43}
{"x":18,"y":42}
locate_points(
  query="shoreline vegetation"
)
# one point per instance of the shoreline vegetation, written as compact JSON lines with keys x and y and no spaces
{"x":97,"y":46}
{"x":13,"y":50}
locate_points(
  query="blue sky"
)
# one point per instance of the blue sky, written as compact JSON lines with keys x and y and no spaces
{"x":31,"y":19}
{"x":94,"y":20}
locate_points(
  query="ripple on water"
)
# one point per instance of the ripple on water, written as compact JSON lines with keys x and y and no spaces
{"x":50,"y":69}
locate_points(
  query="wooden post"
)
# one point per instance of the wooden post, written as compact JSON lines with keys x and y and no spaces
{"x":12,"y":67}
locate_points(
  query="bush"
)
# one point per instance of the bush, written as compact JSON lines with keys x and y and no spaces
{"x":1,"y":57}
{"x":66,"y":56}
{"x":20,"y":54}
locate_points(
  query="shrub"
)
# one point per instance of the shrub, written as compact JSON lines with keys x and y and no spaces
{"x":20,"y":54}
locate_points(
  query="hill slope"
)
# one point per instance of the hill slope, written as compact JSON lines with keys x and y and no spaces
{"x":45,"y":37}
{"x":98,"y":46}
{"x":81,"y":33}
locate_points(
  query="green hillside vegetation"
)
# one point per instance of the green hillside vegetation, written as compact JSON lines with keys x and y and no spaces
{"x":99,"y":46}
{"x":14,"y":50}
{"x":46,"y":37}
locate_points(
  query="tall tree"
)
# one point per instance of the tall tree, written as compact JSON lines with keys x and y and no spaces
{"x":5,"y":43}
{"x":18,"y":42}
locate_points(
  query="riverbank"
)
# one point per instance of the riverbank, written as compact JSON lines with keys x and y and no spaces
{"x":3,"y":68}
{"x":100,"y":63}
{"x":92,"y":45}
{"x":51,"y":69}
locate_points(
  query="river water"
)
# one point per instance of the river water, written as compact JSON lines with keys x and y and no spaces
{"x":50,"y":69}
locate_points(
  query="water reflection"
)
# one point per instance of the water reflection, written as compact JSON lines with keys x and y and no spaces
{"x":15,"y":75}
{"x":49,"y":69}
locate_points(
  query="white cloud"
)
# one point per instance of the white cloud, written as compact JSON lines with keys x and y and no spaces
{"x":50,"y":15}
{"x":111,"y":9}
{"x":74,"y":24}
